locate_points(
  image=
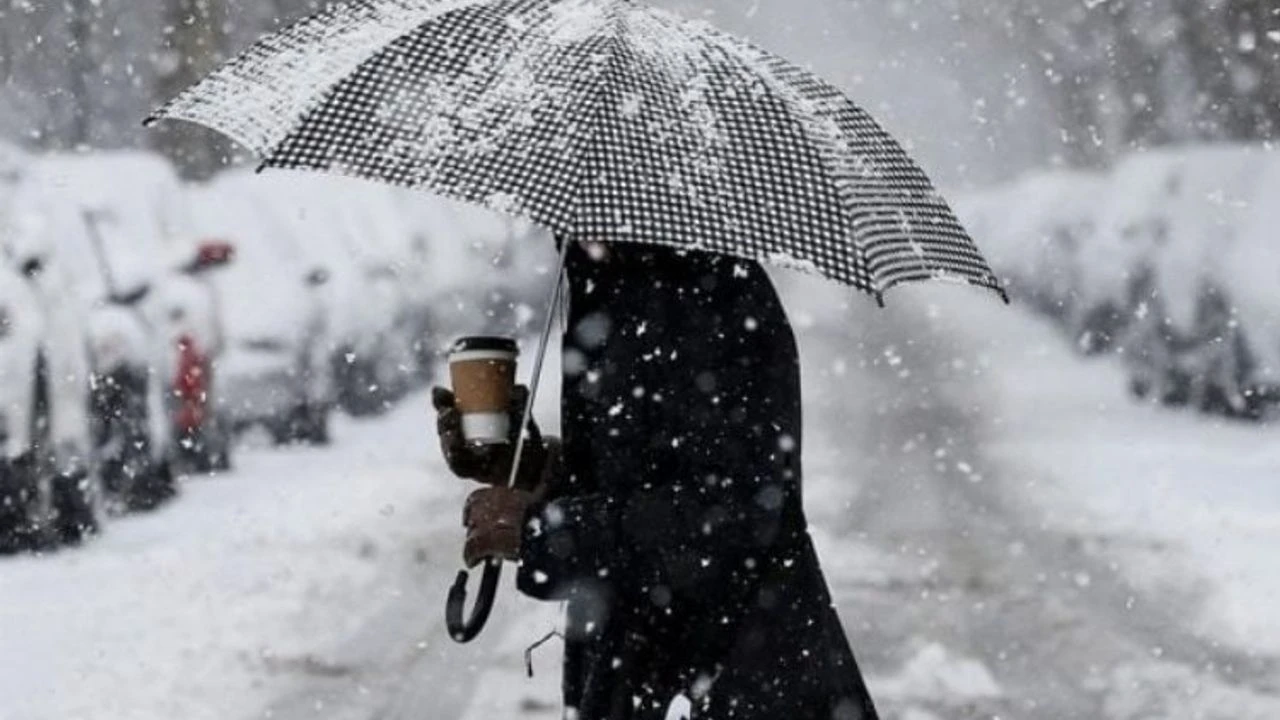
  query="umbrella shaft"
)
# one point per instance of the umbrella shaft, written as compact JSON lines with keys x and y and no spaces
{"x":553,"y":304}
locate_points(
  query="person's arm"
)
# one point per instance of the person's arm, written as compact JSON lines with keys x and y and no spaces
{"x":567,"y":543}
{"x":681,"y":539}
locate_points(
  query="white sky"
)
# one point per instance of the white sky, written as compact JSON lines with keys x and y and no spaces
{"x":940,"y":85}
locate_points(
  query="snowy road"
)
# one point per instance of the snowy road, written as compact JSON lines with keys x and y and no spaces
{"x":310,"y":584}
{"x":973,"y":568}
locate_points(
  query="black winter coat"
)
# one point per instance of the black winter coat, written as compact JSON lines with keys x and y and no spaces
{"x":677,"y":535}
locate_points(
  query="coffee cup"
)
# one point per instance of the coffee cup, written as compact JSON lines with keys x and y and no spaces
{"x":483,"y":371}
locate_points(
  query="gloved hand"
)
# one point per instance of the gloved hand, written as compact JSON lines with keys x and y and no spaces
{"x":489,"y":464}
{"x":493,"y":517}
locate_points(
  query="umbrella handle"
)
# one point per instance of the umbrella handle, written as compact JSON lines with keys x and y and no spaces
{"x":464,"y":630}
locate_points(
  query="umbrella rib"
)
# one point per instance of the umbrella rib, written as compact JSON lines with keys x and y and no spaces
{"x":276,"y":109}
{"x":601,"y":88}
{"x":437,"y":11}
{"x":762,"y":67}
{"x":593,"y":94}
{"x":828,"y":100}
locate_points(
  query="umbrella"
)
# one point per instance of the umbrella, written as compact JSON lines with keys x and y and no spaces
{"x":599,"y":119}
{"x":595,"y":118}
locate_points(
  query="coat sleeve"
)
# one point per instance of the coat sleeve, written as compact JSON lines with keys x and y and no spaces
{"x":568,"y":543}
{"x":683,"y":534}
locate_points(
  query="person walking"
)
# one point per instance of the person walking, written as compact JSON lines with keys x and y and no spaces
{"x":672,"y":522}
{"x":670,"y":515}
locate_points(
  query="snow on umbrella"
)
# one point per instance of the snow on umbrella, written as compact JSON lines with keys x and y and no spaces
{"x":600,"y":119}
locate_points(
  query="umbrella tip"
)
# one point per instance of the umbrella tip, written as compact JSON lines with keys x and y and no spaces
{"x":880,"y":299}
{"x":1004,"y":295}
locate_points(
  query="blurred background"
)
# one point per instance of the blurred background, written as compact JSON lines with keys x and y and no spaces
{"x":983,"y":89}
{"x":1068,"y":508}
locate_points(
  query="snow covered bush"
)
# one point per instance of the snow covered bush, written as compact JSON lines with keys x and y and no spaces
{"x":1168,"y":260}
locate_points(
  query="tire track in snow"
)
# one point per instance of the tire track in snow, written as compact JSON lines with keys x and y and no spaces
{"x":401,"y":663}
{"x":973,"y":567}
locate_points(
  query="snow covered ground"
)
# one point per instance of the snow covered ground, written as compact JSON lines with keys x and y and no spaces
{"x":211,"y":607}
{"x":1209,"y":488}
{"x":1005,"y":533}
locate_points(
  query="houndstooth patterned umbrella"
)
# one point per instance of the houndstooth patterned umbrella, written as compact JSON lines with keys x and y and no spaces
{"x":599,"y":119}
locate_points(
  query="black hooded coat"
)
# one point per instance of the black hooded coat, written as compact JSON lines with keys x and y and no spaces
{"x":677,"y":533}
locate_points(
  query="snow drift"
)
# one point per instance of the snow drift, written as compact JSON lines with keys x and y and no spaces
{"x":1169,"y":260}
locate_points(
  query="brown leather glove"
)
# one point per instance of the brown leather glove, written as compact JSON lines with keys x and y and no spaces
{"x":493,"y":515}
{"x":493,"y":518}
{"x":489,"y":464}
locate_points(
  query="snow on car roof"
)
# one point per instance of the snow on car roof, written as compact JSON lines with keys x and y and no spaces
{"x":1214,"y":189}
{"x":1250,"y":262}
{"x":1132,"y":212}
{"x":298,"y":218}
{"x":1019,"y":220}
{"x":131,"y":199}
{"x":261,"y":292}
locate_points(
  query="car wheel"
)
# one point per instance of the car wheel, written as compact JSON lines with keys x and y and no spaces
{"x":187,"y":452}
{"x":13,"y":522}
{"x":307,"y":424}
{"x":155,"y":486}
{"x":318,"y":422}
{"x":78,"y":505}
{"x":219,"y":456}
{"x":12,"y":514}
{"x":220,"y":446}
{"x":27,"y":517}
{"x":208,"y":451}
{"x":133,"y":477}
{"x":213,"y":455}
{"x":359,"y":392}
{"x":282,"y":431}
{"x":35,"y":472}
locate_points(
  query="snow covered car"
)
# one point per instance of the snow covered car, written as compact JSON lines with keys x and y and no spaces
{"x":1046,"y":222}
{"x":375,"y":368}
{"x":452,"y":251}
{"x":1253,"y":264}
{"x":188,"y":308}
{"x":1132,"y":226}
{"x":1205,"y":361}
{"x":274,"y":372}
{"x":350,"y":231}
{"x":48,"y":492}
{"x":113,"y":221}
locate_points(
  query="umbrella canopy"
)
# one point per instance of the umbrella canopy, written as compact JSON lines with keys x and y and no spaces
{"x":599,"y":119}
